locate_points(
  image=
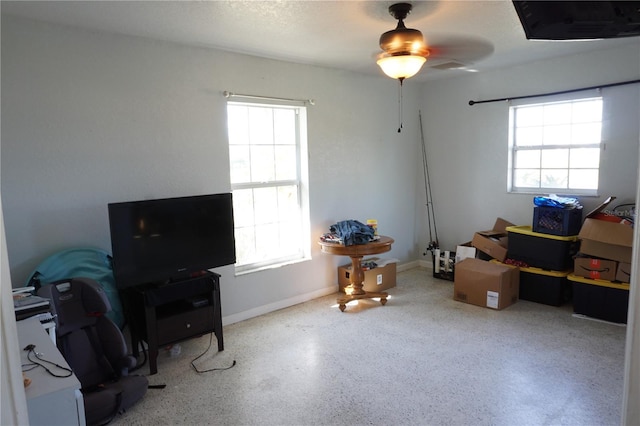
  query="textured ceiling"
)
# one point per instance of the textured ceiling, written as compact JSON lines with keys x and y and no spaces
{"x":478,"y":35}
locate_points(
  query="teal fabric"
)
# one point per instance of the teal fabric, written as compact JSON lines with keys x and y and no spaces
{"x":82,"y":262}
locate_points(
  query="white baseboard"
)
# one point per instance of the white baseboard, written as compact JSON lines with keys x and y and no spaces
{"x":425,"y":264}
{"x":281,"y":304}
{"x":407,"y":266}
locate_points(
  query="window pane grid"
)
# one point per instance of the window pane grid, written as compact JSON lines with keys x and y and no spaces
{"x":556,"y":146}
{"x":264,"y":154}
{"x":269,"y":223}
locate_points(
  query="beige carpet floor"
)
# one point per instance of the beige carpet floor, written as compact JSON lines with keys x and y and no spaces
{"x":423,"y":359}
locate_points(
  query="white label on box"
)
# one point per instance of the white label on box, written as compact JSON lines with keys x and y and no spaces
{"x":379,"y":279}
{"x":462,"y":252}
{"x":493,"y":298}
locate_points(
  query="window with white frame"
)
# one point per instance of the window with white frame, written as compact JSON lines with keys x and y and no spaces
{"x":555,"y":146}
{"x":268,"y":166}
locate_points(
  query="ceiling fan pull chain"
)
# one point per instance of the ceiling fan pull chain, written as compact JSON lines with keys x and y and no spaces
{"x":400,"y":105}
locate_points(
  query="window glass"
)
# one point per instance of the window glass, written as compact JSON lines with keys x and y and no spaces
{"x":267,"y":145}
{"x":555,"y":147}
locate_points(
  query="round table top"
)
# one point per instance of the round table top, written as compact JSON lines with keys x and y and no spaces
{"x":374,"y":247}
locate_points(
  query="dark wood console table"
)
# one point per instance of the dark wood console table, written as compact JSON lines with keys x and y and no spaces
{"x":170,"y":313}
{"x":356,"y":253}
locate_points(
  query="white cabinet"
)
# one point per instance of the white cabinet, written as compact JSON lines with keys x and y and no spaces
{"x":50,"y":400}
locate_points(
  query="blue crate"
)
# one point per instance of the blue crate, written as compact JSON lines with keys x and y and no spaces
{"x":557,"y":221}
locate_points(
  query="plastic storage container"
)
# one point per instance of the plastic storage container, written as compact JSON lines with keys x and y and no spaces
{"x":542,"y":286}
{"x":547,"y":287}
{"x":600,"y":299}
{"x":557,"y":221}
{"x":544,"y":251}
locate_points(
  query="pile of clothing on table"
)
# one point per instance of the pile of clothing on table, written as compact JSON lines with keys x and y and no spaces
{"x":350,"y":232}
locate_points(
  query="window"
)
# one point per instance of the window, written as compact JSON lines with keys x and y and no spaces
{"x":555,"y":147}
{"x":268,"y":165}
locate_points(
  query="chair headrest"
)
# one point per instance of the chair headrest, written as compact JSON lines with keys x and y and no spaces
{"x":78,"y":303}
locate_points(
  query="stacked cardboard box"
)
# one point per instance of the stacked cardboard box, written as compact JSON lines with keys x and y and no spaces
{"x":606,"y":243}
{"x":493,"y":242}
{"x":591,"y":265}
{"x":478,"y":281}
{"x":602,"y":268}
{"x":595,"y":268}
{"x":605,"y":246}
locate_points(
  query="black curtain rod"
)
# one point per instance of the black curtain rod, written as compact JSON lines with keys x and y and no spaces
{"x":556,"y":93}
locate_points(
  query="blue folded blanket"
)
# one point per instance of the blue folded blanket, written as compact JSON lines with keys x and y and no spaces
{"x":352,"y":232}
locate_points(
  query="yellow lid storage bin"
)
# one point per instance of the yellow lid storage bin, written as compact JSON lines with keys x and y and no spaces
{"x":544,"y":251}
{"x":542,"y":286}
{"x":605,"y":300}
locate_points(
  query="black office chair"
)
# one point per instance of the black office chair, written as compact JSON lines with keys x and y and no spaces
{"x":95,"y":348}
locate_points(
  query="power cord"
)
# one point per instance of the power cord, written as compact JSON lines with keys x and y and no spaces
{"x":34,"y":364}
{"x":144,"y":357}
{"x":210,"y":369}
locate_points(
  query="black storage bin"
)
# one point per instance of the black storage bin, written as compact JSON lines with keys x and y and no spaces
{"x":542,"y":286}
{"x":600,"y":299}
{"x":542,"y":251}
{"x":557,"y":221}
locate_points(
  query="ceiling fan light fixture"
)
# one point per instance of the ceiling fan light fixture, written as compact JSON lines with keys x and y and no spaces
{"x":401,"y":66}
{"x":403,"y":49}
{"x":402,"y":40}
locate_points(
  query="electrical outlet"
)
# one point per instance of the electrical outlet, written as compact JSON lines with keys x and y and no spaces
{"x":379,"y":279}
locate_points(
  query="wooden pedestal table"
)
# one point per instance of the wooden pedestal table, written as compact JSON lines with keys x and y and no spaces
{"x":356,"y":253}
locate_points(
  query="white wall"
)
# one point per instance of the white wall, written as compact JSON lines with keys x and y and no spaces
{"x":92,"y":118}
{"x":467,"y":145}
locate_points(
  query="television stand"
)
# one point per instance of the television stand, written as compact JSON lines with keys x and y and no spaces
{"x":177,"y":311}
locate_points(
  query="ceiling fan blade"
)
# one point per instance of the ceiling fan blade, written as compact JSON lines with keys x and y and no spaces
{"x":466,"y":50}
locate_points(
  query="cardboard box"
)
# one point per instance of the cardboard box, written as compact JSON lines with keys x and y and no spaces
{"x":494,"y":241}
{"x":595,"y":268}
{"x":486,"y":284}
{"x":624,"y":272}
{"x":377,"y":279}
{"x":606,"y":236}
{"x":607,"y":240}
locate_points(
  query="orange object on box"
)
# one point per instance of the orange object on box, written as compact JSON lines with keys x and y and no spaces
{"x":609,"y":218}
{"x":595,"y":269}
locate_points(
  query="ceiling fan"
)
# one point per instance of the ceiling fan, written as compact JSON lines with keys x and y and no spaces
{"x":404,"y":50}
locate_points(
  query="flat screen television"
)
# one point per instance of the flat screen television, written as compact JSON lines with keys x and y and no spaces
{"x":578,"y":20}
{"x":164,"y":240}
